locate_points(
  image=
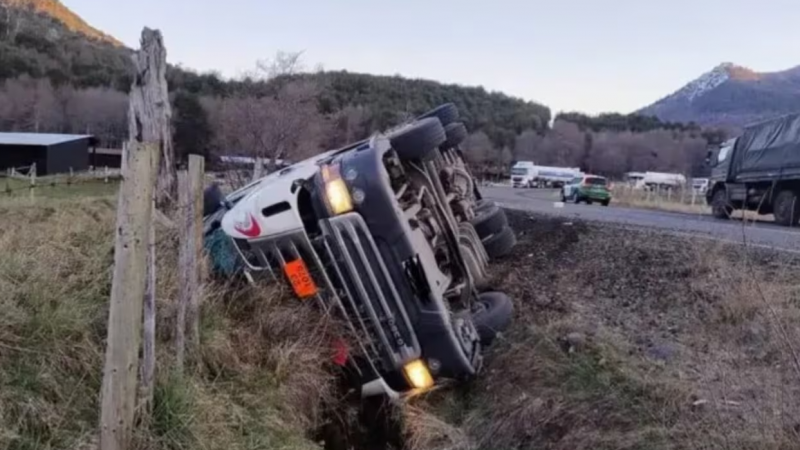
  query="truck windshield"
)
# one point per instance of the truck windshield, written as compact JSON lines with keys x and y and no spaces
{"x":519,"y":171}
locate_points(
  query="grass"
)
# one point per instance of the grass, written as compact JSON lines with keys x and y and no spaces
{"x":676,"y":202}
{"x":260,"y":380}
{"x":57,"y":187}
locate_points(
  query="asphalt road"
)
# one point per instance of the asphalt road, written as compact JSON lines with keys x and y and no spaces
{"x":760,"y":234}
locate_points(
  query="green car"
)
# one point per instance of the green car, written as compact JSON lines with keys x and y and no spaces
{"x":588,"y":188}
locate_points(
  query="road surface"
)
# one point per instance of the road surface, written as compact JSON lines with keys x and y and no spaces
{"x":544,"y":201}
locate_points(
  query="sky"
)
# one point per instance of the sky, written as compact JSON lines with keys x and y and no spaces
{"x":571,"y":55}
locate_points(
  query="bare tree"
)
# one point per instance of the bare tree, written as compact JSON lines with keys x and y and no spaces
{"x":282,"y":122}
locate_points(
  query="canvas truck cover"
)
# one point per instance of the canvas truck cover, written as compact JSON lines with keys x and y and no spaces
{"x":768,"y":151}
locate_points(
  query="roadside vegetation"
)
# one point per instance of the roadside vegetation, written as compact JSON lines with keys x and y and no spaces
{"x":261,"y":379}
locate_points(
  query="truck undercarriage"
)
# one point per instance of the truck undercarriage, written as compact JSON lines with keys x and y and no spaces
{"x":382,"y":234}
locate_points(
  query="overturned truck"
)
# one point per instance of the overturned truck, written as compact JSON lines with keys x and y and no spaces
{"x":392,"y":234}
{"x":758,"y":171}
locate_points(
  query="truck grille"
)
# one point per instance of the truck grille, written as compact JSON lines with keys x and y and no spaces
{"x":352,"y":278}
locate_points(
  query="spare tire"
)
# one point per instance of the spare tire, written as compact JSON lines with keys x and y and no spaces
{"x":213,"y":198}
{"x":456,"y":134}
{"x":447,"y":114}
{"x":500,"y":244}
{"x":492,"y":313}
{"x":419,"y":140}
{"x":488,"y":221}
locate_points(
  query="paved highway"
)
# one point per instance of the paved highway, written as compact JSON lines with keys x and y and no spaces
{"x":544,"y":201}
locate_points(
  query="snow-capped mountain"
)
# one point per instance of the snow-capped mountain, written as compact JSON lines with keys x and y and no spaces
{"x":731,"y":94}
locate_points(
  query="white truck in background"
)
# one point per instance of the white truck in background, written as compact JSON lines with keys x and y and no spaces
{"x":527,"y":174}
{"x":655,"y":180}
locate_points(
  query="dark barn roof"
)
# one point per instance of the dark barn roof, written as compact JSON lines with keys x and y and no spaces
{"x":42,"y":139}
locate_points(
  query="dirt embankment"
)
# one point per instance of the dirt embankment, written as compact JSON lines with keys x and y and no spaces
{"x":630,"y":340}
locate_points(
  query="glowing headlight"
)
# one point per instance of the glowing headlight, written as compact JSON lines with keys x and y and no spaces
{"x":336,"y":191}
{"x":418,"y":374}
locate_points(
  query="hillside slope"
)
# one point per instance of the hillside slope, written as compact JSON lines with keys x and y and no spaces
{"x":56,"y":10}
{"x":730,"y":94}
{"x":42,"y":38}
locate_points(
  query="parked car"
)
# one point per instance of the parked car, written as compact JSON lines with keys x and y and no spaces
{"x":390,"y":232}
{"x":588,"y":188}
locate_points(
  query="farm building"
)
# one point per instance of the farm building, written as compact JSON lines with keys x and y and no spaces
{"x":52,"y":153}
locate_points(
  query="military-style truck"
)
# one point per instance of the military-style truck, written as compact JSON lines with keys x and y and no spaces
{"x":758,"y":171}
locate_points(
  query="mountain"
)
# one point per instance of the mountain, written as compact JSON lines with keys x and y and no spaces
{"x":731,"y":95}
{"x":57,"y":11}
{"x":44,"y":39}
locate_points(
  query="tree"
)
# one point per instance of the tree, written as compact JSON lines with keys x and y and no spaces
{"x":192,"y":132}
{"x":478,"y":149}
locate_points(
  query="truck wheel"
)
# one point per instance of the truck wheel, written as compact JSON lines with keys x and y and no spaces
{"x":500,"y":244}
{"x":456,"y":134}
{"x":787,"y":208}
{"x":418,"y":141}
{"x":492,"y":314}
{"x":563,"y":197}
{"x":447,"y":114}
{"x":212,"y":199}
{"x":483,"y":204}
{"x":720,"y":208}
{"x":489,"y":221}
{"x":605,"y":202}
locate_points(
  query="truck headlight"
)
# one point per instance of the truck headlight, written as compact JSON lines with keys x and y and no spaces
{"x":336,"y":192}
{"x":418,"y":375}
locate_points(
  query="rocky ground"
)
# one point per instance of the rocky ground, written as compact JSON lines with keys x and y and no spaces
{"x":630,"y":339}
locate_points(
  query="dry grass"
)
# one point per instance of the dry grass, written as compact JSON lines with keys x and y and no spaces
{"x":260,"y":380}
{"x":676,"y":202}
{"x":631,"y":340}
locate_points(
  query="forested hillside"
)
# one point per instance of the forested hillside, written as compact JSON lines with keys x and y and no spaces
{"x":59,"y":74}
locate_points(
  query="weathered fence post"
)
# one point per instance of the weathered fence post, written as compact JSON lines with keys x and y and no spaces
{"x":190,"y":194}
{"x":134,"y":257}
{"x":258,"y":168}
{"x":32,"y":175}
{"x":105,"y":174}
{"x":118,"y":394}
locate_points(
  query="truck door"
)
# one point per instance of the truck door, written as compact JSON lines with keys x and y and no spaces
{"x":721,"y":162}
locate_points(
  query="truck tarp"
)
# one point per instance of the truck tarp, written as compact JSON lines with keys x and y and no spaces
{"x":768,"y":150}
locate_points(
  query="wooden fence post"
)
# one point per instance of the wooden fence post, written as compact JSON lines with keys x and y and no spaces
{"x":190,"y":194}
{"x":134,"y":256}
{"x":134,"y":211}
{"x":258,"y":168}
{"x":105,"y":174}
{"x":196,"y":182}
{"x":184,"y":281}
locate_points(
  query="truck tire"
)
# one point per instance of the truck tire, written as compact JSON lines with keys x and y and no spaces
{"x":419,"y":140}
{"x":489,"y":221}
{"x":720,"y":207}
{"x":787,"y":208}
{"x":500,"y":244}
{"x":212,"y":199}
{"x":491,"y":315}
{"x":456,"y":134}
{"x":483,"y":204}
{"x":447,"y":114}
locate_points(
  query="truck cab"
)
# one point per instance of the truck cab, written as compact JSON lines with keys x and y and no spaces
{"x":758,"y":171}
